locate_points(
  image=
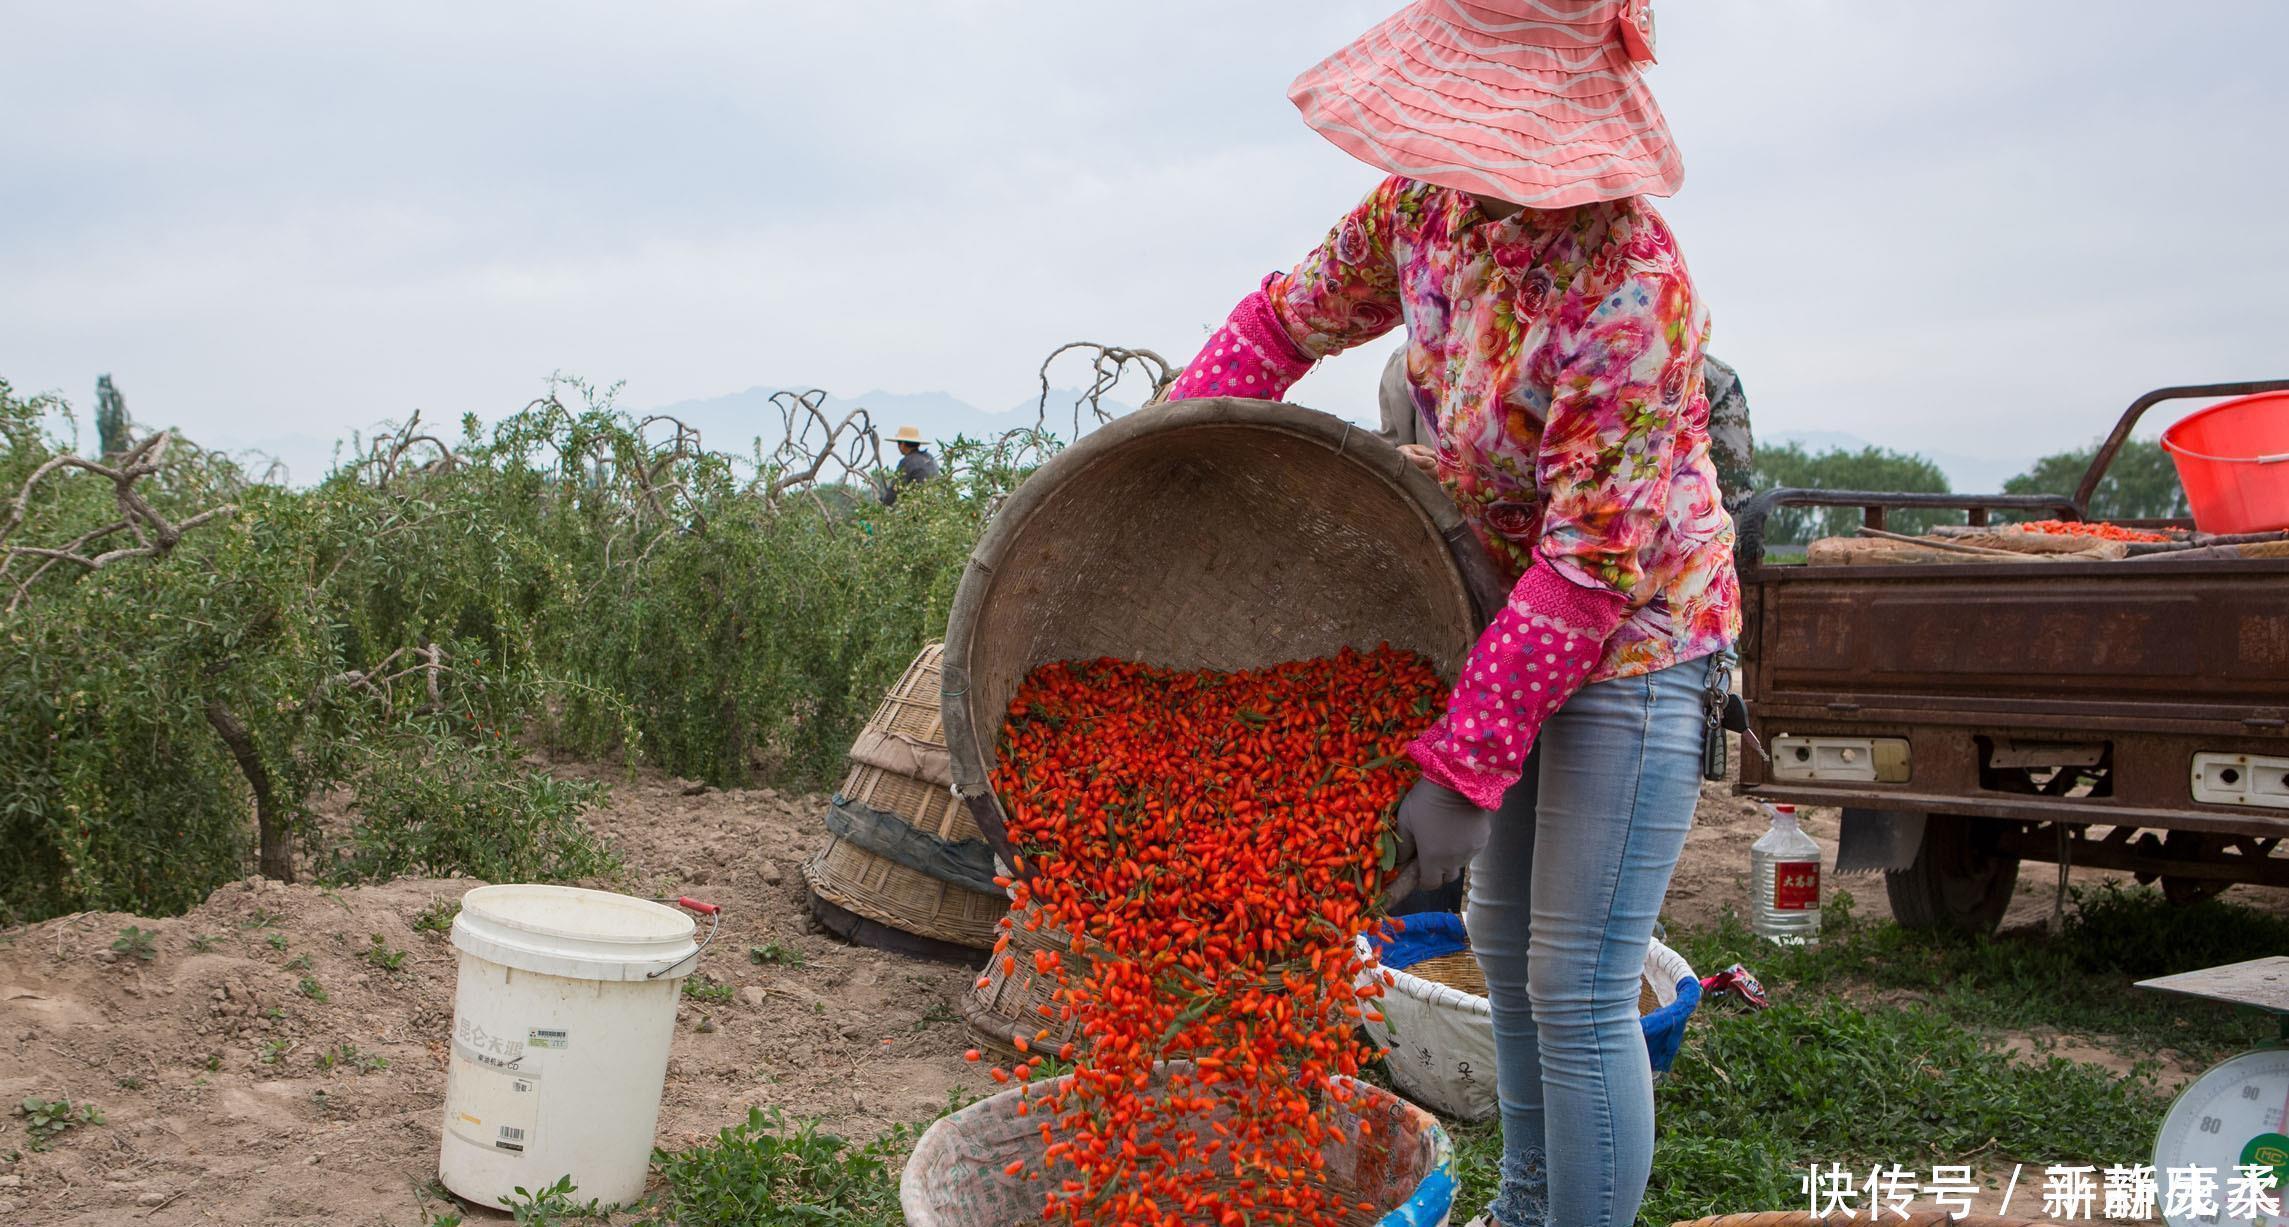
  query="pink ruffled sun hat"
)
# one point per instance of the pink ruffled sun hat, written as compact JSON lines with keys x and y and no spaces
{"x":1537,"y":102}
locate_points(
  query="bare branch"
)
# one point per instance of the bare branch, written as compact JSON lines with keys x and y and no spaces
{"x":153,"y":532}
{"x":811,"y":442}
{"x":1108,"y":364}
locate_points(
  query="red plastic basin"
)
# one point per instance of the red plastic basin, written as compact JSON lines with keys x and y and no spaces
{"x":2233,"y":459}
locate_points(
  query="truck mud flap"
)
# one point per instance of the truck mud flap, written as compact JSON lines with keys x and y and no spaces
{"x":1875,"y":840}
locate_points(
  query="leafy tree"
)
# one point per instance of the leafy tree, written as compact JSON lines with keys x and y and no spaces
{"x":1870,"y":468}
{"x":2141,"y":484}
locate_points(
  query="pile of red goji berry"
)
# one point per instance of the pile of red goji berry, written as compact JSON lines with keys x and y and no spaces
{"x":2102,"y":531}
{"x":1213,"y":842}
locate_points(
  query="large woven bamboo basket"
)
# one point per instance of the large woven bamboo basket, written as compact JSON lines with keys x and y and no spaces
{"x":1217,"y":533}
{"x":898,"y":766}
{"x":911,"y":705}
{"x":1011,"y":1003}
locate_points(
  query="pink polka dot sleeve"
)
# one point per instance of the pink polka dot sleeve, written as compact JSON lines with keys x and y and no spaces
{"x":1251,"y":355}
{"x":1539,"y":650}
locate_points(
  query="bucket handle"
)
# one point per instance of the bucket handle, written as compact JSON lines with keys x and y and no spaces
{"x":2190,"y":454}
{"x":714,"y":914}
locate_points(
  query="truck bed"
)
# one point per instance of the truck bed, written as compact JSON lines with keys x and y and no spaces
{"x":1983,"y":667}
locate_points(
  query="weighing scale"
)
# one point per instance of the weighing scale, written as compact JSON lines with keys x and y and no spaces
{"x":2238,"y":1112}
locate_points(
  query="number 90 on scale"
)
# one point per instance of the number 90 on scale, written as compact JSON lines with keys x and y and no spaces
{"x":2234,"y":1116}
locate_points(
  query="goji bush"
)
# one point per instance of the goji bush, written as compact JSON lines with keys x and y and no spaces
{"x":1214,"y":842}
{"x":401,"y":632}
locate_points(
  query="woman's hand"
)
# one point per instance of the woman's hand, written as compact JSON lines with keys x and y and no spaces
{"x":1422,"y":458}
{"x":1445,"y":828}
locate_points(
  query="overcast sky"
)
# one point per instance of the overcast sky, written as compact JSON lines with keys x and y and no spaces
{"x":1963,"y":227}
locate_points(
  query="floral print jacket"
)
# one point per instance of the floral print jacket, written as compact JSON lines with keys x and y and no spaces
{"x":1556,"y":358}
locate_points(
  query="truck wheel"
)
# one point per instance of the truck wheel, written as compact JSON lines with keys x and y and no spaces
{"x":2190,"y":844}
{"x":1959,"y":880}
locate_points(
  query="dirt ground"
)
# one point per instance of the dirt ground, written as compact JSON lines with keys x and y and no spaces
{"x":211,"y":1065}
{"x":218,"y":1112}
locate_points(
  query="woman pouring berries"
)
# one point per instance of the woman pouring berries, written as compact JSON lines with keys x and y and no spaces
{"x":1554,"y":353}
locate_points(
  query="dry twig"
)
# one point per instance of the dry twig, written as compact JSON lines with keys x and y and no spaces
{"x":1108,"y":364}
{"x":154,"y":534}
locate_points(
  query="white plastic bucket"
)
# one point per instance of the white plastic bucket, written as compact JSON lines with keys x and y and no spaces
{"x":561,"y":1022}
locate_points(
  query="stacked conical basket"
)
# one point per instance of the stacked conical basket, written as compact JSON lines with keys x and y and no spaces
{"x":907,"y":868}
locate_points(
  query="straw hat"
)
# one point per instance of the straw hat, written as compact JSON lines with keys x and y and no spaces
{"x":1537,"y":102}
{"x":908,"y":434}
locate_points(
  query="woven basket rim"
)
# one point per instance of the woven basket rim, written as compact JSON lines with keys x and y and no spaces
{"x":816,"y":875}
{"x":1446,"y":996}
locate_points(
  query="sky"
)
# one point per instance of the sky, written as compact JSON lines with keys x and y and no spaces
{"x":1977,"y":229}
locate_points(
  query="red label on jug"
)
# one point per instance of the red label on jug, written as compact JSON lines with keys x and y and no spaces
{"x":1796,"y":886}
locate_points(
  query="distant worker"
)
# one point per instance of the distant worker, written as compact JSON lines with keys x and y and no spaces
{"x":915,"y":463}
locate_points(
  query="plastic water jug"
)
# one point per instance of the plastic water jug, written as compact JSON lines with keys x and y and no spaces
{"x":1784,"y":874}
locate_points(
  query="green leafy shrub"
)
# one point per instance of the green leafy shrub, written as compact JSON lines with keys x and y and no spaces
{"x":467,"y":809}
{"x":765,"y":1173}
{"x":571,"y":577}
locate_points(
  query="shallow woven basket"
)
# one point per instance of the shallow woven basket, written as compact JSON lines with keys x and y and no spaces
{"x":957,"y":1174}
{"x":1219,"y":534}
{"x":886,"y":892}
{"x":1461,"y":971}
{"x":927,"y":807}
{"x":1437,"y":1023}
{"x":1010,"y":1004}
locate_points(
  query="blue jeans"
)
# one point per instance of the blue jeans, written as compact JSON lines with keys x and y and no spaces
{"x":1562,"y":905}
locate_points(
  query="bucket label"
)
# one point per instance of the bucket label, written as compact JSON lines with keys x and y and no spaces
{"x":1796,"y":886}
{"x":543,"y":1037}
{"x":491,"y":1048}
{"x":489,"y":1106}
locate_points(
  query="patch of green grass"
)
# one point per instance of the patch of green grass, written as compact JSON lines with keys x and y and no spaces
{"x":437,"y":917}
{"x":700,"y":988}
{"x":136,"y":943}
{"x":273,"y":1051}
{"x":1885,"y":1046}
{"x":48,"y":1119}
{"x":1755,"y":1098}
{"x":300,"y":962}
{"x":381,"y":956}
{"x":260,"y":918}
{"x":553,"y":1204}
{"x":774,"y":954}
{"x":310,"y":988}
{"x":2077,"y":982}
{"x":347,"y":1056}
{"x":203,"y":943}
{"x":766,"y":1173}
{"x":277,"y":942}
